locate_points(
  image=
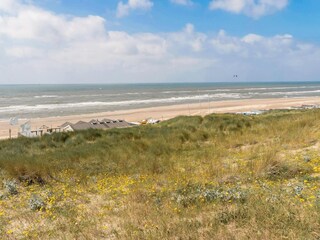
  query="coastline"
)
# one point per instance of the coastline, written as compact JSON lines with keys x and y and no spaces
{"x":167,"y":112}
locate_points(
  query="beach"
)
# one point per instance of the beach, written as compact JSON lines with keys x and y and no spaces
{"x":165,"y":112}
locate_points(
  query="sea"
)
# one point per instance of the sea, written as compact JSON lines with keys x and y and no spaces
{"x":31,"y":101}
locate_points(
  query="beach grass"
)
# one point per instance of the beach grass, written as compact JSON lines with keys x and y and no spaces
{"x":222,"y":176}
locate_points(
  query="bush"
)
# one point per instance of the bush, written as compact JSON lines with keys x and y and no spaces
{"x":36,"y":203}
{"x":11,"y":187}
{"x":195,"y":194}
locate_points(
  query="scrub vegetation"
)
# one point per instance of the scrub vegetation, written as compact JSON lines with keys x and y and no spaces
{"x":216,"y":177}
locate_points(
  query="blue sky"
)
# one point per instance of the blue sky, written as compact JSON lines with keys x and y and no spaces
{"x":299,"y":18}
{"x":71,"y":41}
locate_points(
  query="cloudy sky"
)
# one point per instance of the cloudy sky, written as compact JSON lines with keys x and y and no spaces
{"x":128,"y":41}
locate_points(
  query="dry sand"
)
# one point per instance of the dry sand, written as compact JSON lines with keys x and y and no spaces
{"x":167,"y":112}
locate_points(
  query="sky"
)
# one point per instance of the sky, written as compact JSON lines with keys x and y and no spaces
{"x":152,"y":41}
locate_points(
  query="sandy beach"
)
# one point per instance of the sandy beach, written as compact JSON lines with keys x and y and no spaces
{"x":166,"y":112}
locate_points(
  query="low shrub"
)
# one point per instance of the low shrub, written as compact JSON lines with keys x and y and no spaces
{"x":11,"y":187}
{"x":36,"y":203}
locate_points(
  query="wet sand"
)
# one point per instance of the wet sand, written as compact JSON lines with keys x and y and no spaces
{"x":166,"y":112}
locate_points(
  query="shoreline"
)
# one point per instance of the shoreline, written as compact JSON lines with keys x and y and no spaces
{"x":167,"y":112}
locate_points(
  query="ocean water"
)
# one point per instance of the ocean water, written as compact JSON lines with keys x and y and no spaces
{"x":27,"y":101}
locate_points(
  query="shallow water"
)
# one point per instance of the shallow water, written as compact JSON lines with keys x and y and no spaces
{"x":25,"y":101}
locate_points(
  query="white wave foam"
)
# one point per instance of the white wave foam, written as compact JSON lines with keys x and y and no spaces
{"x":42,"y":107}
{"x":285,"y":93}
{"x":240,"y":89}
{"x":47,"y":96}
{"x":197,"y":91}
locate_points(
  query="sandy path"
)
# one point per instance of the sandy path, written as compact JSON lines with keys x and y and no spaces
{"x":166,"y":112}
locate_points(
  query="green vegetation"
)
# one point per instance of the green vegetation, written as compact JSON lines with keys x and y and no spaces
{"x":214,"y":177}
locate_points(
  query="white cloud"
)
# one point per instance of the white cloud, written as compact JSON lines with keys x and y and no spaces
{"x":254,"y":46}
{"x":183,"y":2}
{"x":26,"y":22}
{"x":187,"y":40}
{"x":125,"y":8}
{"x":252,"y":8}
{"x":252,"y":38}
{"x":40,"y":46}
{"x":9,"y":6}
{"x":24,"y":52}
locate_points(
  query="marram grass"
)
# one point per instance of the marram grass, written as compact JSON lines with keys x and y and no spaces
{"x":217,"y":177}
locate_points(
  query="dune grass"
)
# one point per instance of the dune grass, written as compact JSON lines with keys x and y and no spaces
{"x":216,"y":177}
